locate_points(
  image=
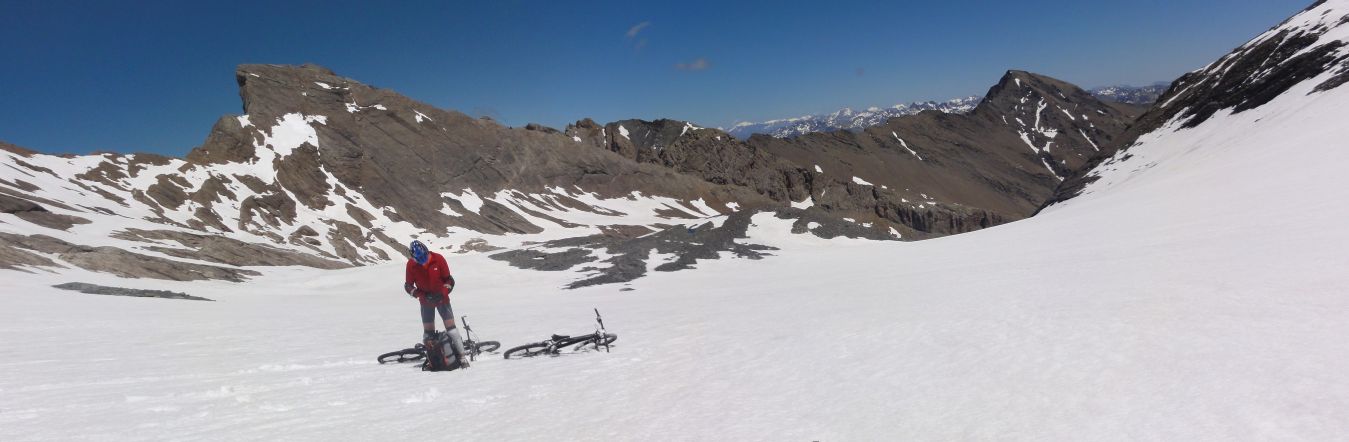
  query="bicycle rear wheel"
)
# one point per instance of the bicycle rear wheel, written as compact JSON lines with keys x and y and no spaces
{"x":527,"y":350}
{"x":401,"y":356}
{"x":488,"y":346}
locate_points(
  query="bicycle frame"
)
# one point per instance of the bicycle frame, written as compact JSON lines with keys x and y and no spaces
{"x":598,"y":337}
{"x":599,"y":334}
{"x":470,"y":342}
{"x":468,"y":331}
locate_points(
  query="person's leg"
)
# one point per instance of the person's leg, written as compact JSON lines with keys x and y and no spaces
{"x":447,"y":315}
{"x":456,"y":341}
{"x":428,"y":320}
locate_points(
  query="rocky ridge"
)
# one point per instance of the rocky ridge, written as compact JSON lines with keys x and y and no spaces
{"x":1313,"y":44}
{"x":914,"y":177}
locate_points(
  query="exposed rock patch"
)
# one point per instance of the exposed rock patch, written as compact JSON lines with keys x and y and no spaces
{"x":20,"y":184}
{"x":616,"y":259}
{"x":94,"y":289}
{"x":224,"y":250}
{"x":121,"y":262}
{"x":477,"y":245}
{"x":36,"y":214}
{"x":15,"y":258}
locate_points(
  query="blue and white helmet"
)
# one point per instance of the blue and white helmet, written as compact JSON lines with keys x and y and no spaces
{"x":419,"y":252}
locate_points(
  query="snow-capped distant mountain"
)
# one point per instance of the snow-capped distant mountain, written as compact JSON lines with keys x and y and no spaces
{"x":847,"y":119}
{"x":1139,"y":95}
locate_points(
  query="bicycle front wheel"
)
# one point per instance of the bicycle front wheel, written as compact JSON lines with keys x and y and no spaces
{"x":527,"y":350}
{"x":488,"y":346}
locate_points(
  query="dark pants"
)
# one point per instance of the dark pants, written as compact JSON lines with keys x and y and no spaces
{"x":429,"y":313}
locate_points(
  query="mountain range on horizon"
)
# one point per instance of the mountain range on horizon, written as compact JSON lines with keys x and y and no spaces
{"x":850,"y":119}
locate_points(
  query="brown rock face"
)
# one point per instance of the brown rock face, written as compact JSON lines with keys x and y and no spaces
{"x":402,"y":154}
{"x":709,"y":154}
{"x":925,"y":175}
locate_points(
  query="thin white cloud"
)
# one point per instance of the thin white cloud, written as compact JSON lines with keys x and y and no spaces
{"x":637,"y":29}
{"x":696,"y":65}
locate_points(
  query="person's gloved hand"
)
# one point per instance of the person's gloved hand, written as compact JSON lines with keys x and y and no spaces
{"x":410,"y":289}
{"x":449,"y":288}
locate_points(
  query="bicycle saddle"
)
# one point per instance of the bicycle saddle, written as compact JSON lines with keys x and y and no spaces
{"x":560,"y":337}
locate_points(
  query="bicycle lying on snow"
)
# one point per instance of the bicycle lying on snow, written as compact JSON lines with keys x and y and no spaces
{"x":555,"y":344}
{"x":472,"y":346}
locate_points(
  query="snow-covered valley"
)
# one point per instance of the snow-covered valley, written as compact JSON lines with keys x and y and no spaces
{"x":1190,"y":286}
{"x":1163,"y":304}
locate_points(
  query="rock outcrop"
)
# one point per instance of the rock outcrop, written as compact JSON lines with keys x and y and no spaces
{"x":112,"y":260}
{"x":36,"y":214}
{"x":610,"y":259}
{"x":95,"y":289}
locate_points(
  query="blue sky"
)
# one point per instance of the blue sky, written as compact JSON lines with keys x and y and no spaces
{"x":153,"y":76}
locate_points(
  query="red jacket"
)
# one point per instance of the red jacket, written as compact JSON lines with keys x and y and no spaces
{"x":431,"y":277}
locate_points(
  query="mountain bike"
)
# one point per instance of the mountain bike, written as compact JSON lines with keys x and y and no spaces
{"x":553,"y":345}
{"x":472,"y":346}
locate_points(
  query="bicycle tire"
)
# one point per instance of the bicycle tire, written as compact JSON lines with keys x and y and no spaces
{"x":401,"y":356}
{"x":488,"y":346}
{"x":527,"y":350}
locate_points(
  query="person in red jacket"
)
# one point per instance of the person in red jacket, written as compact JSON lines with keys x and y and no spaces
{"x":429,"y":280}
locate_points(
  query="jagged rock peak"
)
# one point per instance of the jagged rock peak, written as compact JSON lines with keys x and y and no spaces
{"x":1015,"y":84}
